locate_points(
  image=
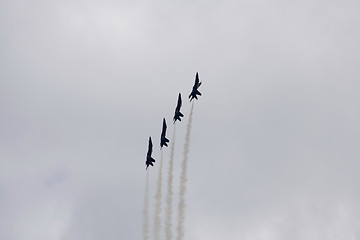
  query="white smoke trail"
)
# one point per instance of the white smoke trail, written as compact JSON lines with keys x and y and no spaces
{"x":157,"y":220}
{"x":168,"y":210}
{"x":183,"y":180}
{"x":146,"y":209}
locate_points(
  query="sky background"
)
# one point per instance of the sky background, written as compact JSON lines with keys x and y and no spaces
{"x":274,"y":150}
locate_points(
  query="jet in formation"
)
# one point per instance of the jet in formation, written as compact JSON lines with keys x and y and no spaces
{"x":149,"y":159}
{"x":163,"y":139}
{"x":178,"y":114}
{"x":195,"y":90}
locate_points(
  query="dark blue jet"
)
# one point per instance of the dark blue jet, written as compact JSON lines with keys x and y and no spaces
{"x":149,"y":159}
{"x":178,"y":114}
{"x":195,"y":90}
{"x":163,"y":139}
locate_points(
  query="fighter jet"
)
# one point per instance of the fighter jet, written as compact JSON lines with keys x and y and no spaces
{"x":149,"y":159}
{"x":163,"y":139}
{"x":178,"y":114}
{"x":195,"y":90}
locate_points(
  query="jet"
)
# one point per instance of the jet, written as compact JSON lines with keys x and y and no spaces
{"x":149,"y":159}
{"x":178,"y":114}
{"x":195,"y":90}
{"x":163,"y":139}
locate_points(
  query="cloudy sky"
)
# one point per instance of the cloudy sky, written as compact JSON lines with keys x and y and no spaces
{"x":274,"y":150}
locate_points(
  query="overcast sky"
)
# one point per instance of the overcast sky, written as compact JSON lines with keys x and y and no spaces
{"x":274,"y":150}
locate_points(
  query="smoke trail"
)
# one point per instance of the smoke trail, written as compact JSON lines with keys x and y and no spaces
{"x":146,"y":209}
{"x":168,"y":210}
{"x":157,"y":221}
{"x":183,"y":180}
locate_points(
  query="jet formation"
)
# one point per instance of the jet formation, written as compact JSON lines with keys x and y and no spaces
{"x":177,"y":116}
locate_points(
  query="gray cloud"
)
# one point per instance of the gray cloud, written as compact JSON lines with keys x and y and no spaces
{"x":274,"y":149}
